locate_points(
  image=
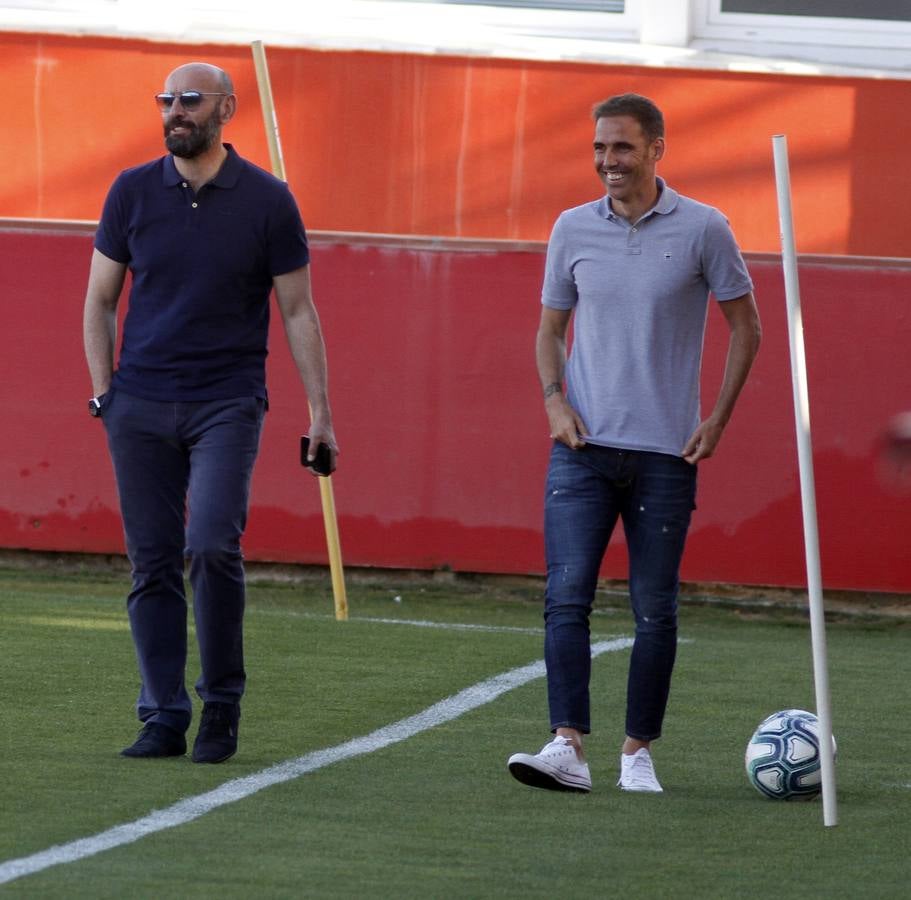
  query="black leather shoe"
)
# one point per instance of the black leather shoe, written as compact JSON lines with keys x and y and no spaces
{"x":157,"y":740}
{"x":217,"y":738}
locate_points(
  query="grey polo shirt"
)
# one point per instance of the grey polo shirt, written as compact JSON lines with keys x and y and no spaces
{"x":640,"y":295}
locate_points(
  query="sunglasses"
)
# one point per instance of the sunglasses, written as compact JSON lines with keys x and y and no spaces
{"x":188,"y":99}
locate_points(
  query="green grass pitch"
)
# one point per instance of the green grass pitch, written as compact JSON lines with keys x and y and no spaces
{"x":437,"y":815}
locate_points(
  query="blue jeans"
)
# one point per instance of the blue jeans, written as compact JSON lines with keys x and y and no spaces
{"x":587,"y":490}
{"x":183,"y":476}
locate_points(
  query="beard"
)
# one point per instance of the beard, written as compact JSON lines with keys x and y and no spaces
{"x":198,"y":138}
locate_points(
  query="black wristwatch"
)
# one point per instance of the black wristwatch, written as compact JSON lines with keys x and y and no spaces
{"x":95,"y":405}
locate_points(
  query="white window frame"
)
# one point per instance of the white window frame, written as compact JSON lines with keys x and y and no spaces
{"x":689,"y":33}
{"x":710,"y":22}
{"x":530,"y":20}
{"x":560,"y":5}
{"x":396,"y":25}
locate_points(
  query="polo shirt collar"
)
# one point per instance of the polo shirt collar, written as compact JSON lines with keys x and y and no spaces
{"x":667,"y":202}
{"x":225,"y":178}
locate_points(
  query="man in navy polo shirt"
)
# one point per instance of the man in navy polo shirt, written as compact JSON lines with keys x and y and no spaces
{"x":206,"y":237}
{"x":635,"y":270}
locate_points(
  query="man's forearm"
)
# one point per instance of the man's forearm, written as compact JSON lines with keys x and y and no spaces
{"x":742,"y":350}
{"x":309,"y":353}
{"x":550,"y":354}
{"x":743,"y":345}
{"x":99,"y":336}
{"x":99,"y":319}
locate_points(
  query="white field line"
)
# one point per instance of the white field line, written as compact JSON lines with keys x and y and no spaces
{"x":414,"y":623}
{"x":426,"y":623}
{"x":120,"y":624}
{"x":239,"y":788}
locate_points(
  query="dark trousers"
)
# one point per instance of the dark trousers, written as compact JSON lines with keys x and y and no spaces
{"x":587,"y":491}
{"x":183,"y":476}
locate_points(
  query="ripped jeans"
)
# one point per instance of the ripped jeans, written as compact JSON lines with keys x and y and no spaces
{"x":587,"y":490}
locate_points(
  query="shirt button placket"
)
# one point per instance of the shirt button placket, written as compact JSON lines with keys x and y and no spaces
{"x":194,"y":203}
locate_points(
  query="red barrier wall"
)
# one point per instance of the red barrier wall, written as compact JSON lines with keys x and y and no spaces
{"x":439,"y":145}
{"x":442,"y":431}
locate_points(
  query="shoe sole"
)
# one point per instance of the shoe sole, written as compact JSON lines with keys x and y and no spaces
{"x":641,"y":790}
{"x":534,"y":777}
{"x":169,"y":754}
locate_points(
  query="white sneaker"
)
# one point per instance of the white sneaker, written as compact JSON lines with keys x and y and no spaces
{"x":637,"y":772}
{"x":556,"y":768}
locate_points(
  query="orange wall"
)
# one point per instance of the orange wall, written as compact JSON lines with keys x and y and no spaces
{"x":415,"y":144}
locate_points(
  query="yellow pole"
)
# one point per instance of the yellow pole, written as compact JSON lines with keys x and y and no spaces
{"x":268,"y":107}
{"x":330,"y":521}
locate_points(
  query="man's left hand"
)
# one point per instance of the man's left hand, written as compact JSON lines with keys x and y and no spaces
{"x":321,"y":432}
{"x":703,"y":442}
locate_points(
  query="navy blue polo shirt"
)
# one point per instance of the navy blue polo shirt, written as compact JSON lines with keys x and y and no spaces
{"x":202,"y":267}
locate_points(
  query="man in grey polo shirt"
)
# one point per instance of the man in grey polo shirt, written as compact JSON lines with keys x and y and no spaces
{"x":636,"y":268}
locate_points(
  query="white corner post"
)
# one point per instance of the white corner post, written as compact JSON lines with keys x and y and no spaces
{"x":807,"y":485}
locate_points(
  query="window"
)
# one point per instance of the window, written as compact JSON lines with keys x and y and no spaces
{"x":609,"y":6}
{"x":865,"y":25}
{"x":890,"y":10}
{"x":513,"y":23}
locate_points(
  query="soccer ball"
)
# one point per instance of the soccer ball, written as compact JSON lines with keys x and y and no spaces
{"x":782,"y":757}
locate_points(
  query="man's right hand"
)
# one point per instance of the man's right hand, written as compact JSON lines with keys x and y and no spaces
{"x":566,"y":424}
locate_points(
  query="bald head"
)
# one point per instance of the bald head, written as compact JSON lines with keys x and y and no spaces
{"x":206,"y":76}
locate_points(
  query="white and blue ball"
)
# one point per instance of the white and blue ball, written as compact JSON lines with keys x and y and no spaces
{"x":782,"y":757}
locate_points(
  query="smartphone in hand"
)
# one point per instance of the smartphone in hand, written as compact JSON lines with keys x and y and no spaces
{"x":322,"y":464}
